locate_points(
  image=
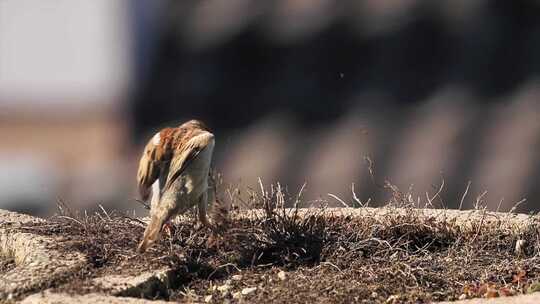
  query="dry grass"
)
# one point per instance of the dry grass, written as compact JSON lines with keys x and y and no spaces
{"x":6,"y":265}
{"x":401,"y":257}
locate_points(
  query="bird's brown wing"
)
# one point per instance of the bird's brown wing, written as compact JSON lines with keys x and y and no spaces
{"x":186,"y":153}
{"x":155,"y":155}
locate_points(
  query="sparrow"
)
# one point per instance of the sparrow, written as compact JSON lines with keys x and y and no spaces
{"x":174,"y":168}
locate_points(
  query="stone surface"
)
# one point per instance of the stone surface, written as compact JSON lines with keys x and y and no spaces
{"x":146,"y":284}
{"x":37,"y":265}
{"x":460,"y":217}
{"x":62,"y":298}
{"x":521,"y":299}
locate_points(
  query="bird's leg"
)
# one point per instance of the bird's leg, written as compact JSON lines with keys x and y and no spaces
{"x":168,"y":229}
{"x":201,"y":206}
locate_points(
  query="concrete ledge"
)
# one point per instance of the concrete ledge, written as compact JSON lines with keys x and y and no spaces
{"x":519,"y":299}
{"x":144,"y":285}
{"x":37,"y":265}
{"x":62,"y":298}
{"x":462,"y":218}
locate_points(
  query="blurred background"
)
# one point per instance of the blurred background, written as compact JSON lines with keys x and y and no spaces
{"x":296,"y":91}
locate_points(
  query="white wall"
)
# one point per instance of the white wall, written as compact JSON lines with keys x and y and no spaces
{"x":63,"y":51}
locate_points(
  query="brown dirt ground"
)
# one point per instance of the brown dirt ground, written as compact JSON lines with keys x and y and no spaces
{"x":325,"y":259}
{"x":401,"y":258}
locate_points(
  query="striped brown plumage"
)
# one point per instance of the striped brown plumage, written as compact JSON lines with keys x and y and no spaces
{"x":174,"y":168}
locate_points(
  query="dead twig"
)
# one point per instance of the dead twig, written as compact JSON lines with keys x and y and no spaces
{"x":464,"y":195}
{"x":338,"y":199}
{"x":143,"y":203}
